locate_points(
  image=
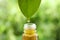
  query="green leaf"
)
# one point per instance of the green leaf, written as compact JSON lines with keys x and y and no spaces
{"x":29,"y":7}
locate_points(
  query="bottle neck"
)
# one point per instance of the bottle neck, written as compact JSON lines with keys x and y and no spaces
{"x":29,"y":28}
{"x":29,"y":32}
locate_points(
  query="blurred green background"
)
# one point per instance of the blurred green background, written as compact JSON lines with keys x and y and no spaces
{"x":47,"y":19}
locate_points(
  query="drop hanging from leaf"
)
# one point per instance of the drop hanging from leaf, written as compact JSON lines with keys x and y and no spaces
{"x":29,"y":7}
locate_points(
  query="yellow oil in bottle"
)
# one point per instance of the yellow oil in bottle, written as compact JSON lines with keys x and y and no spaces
{"x":30,"y":32}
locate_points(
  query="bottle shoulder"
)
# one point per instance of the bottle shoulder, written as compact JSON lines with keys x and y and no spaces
{"x":30,"y":35}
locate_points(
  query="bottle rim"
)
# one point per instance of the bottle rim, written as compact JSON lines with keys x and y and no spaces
{"x":29,"y":26}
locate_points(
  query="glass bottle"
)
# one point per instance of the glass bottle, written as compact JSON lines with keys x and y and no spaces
{"x":30,"y":32}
